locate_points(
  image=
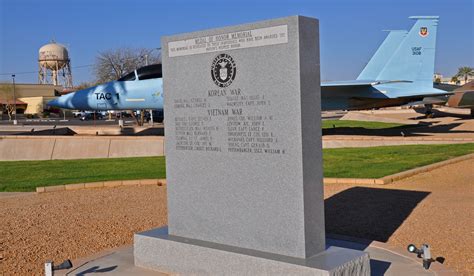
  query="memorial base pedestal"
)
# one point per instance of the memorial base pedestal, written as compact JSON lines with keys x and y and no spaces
{"x":157,"y":250}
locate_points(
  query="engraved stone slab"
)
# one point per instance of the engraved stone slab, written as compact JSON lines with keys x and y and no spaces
{"x":243,"y":136}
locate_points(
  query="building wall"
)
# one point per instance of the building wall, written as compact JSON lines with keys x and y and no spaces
{"x":35,"y":90}
{"x":36,"y":95}
{"x":447,"y":80}
{"x":35,"y":105}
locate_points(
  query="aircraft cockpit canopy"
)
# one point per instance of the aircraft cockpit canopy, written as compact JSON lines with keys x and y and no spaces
{"x":153,"y":71}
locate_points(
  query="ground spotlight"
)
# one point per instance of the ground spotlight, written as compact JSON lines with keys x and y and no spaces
{"x":423,"y":252}
{"x":49,"y":267}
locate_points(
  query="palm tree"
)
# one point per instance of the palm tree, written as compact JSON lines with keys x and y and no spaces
{"x":455,"y":80}
{"x":465,"y":72}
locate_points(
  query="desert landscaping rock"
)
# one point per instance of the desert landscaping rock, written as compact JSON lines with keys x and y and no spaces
{"x":443,"y":218}
{"x":74,"y":224}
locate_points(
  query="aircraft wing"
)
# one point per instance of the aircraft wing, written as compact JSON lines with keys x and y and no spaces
{"x":357,"y":94}
{"x":347,"y":83}
{"x":441,"y":100}
{"x":359,"y":83}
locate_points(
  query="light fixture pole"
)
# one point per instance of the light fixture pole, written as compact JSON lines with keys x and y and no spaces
{"x":14,"y":100}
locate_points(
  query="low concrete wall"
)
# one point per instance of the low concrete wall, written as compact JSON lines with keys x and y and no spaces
{"x":26,"y":149}
{"x":141,"y":147}
{"x":14,"y":148}
{"x":81,"y":148}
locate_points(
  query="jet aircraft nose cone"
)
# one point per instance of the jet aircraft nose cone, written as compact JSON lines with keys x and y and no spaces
{"x":62,"y":102}
{"x":54,"y":103}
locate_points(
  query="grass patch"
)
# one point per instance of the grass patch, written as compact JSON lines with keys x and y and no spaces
{"x":376,"y":162}
{"x":22,"y":176}
{"x":345,"y":162}
{"x":361,"y":124}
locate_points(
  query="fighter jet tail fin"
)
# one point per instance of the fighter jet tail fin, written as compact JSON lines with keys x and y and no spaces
{"x":383,"y":55}
{"x":414,"y":59}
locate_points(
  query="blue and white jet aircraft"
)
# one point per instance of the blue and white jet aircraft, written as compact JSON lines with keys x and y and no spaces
{"x":140,"y":89}
{"x":400,"y":72}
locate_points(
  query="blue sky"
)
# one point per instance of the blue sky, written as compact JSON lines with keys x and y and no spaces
{"x":350,"y":31}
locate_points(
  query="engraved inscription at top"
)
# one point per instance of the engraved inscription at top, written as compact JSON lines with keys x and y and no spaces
{"x":229,"y":41}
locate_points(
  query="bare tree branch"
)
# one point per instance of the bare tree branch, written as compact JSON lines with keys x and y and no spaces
{"x":7,"y":99}
{"x":113,"y":64}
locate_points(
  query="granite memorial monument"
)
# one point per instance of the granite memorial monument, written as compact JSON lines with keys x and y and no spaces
{"x":244,"y":155}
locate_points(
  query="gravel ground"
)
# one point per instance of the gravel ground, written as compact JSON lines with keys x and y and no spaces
{"x":434,"y":208}
{"x":74,"y":224}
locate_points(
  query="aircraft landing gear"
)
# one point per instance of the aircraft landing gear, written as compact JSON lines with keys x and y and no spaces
{"x":429,"y":111}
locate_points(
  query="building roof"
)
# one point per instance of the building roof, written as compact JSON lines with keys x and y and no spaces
{"x":2,"y":101}
{"x":24,"y":90}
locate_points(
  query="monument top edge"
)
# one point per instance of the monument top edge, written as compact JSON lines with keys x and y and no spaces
{"x":240,"y":27}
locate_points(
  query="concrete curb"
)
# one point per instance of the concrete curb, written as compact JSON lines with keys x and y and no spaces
{"x":101,"y":184}
{"x":398,"y":138}
{"x":398,"y":176}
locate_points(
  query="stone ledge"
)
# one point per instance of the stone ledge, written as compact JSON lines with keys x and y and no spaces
{"x":375,"y":138}
{"x":130,"y":182}
{"x":101,"y":184}
{"x":77,"y":186}
{"x":54,"y":188}
{"x":111,"y":184}
{"x":148,"y":181}
{"x":93,"y":185}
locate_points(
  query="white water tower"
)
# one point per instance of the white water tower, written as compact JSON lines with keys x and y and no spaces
{"x":54,"y":65}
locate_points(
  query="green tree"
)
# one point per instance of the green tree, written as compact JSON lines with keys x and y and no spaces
{"x":455,"y":80}
{"x":465,"y":72}
{"x":84,"y":85}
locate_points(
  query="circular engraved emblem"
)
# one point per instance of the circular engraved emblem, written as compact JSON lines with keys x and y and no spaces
{"x":223,"y":70}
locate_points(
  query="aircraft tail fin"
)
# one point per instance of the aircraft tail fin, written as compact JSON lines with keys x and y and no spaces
{"x":414,"y":59}
{"x":382,"y":55}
